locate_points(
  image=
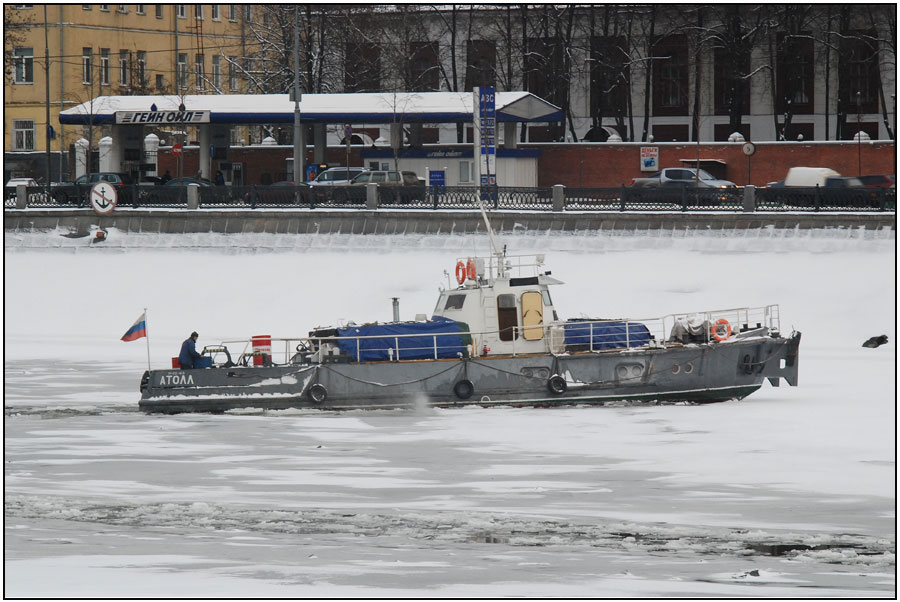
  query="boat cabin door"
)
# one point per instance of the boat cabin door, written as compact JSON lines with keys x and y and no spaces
{"x":532,"y":316}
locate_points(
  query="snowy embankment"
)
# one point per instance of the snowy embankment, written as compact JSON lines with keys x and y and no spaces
{"x":615,"y":501}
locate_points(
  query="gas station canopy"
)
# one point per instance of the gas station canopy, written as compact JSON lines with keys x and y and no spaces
{"x":359,"y":108}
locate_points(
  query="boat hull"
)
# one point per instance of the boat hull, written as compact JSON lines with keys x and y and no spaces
{"x":699,"y":373}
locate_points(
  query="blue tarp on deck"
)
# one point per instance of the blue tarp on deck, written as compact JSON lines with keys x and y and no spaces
{"x":454,"y":341}
{"x":606,"y":335}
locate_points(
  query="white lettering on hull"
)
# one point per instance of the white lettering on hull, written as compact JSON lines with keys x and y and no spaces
{"x":176,"y":379}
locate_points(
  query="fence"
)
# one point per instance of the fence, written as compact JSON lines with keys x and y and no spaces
{"x":465,"y":197}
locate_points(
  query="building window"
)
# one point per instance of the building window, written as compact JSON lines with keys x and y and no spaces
{"x":232,"y":74}
{"x":217,"y":71}
{"x":180,"y":11}
{"x":248,"y":13}
{"x":24,"y":66}
{"x":181,"y":72}
{"x":124,"y":59}
{"x":215,"y":12}
{"x":86,"y":70}
{"x":123,"y":8}
{"x":670,"y":76}
{"x":731,"y":87}
{"x":362,"y":67}
{"x":104,"y":8}
{"x":794,"y":75}
{"x":198,"y":69}
{"x":140,"y":9}
{"x":23,"y":134}
{"x":104,"y":66}
{"x":160,"y":82}
{"x":610,"y":78}
{"x":862,"y":73}
{"x":141,"y":74}
{"x":87,"y":6}
{"x":198,"y":11}
{"x":481,"y":60}
{"x":159,"y":11}
{"x":232,"y":12}
{"x":424,"y":69}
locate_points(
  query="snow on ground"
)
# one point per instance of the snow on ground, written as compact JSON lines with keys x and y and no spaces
{"x":788,"y":493}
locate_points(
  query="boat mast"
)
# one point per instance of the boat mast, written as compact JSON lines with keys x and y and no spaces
{"x":498,"y":253}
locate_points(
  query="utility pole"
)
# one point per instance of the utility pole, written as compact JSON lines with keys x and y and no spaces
{"x":299,"y":147}
{"x":47,"y":129}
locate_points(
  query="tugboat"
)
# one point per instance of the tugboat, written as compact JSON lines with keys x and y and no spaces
{"x":493,"y":340}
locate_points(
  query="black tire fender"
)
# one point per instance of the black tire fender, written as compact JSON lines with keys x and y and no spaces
{"x":317,"y":393}
{"x":556,"y":384}
{"x":464,"y":389}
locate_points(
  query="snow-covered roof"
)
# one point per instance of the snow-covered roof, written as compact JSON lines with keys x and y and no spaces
{"x":376,"y":107}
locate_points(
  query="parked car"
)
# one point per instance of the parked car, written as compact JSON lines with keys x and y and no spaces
{"x":681,"y":176}
{"x":9,"y":191}
{"x":820,"y":186}
{"x":281,"y":193}
{"x":878,"y":181}
{"x":187,"y":180}
{"x":78,"y":192}
{"x":405,"y":185}
{"x":334,"y":175}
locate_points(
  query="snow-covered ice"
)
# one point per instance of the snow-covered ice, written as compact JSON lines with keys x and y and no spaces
{"x":788,"y":493}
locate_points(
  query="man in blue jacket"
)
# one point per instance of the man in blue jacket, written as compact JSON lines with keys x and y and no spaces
{"x":189,"y":354}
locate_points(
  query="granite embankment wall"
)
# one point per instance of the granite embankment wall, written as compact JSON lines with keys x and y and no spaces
{"x":286,"y":221}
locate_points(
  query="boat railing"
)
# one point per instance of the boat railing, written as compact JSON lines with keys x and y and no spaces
{"x":630,"y":333}
{"x":522,"y":265}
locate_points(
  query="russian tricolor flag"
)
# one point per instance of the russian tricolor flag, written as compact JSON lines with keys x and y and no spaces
{"x":137,"y":330}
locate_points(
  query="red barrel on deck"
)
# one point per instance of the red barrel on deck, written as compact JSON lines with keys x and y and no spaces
{"x":261,"y":343}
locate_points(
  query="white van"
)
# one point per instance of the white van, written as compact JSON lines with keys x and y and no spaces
{"x":809,"y":177}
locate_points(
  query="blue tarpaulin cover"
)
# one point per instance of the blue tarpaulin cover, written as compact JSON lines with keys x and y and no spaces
{"x":606,"y":335}
{"x":410,"y":348}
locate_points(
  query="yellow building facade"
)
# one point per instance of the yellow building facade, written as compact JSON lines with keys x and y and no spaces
{"x":91,"y":50}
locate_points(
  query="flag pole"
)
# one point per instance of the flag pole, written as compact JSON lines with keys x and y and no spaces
{"x":147,"y":329}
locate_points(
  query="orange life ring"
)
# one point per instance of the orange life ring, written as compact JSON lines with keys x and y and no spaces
{"x":715,"y":330}
{"x":460,"y":272}
{"x":470,"y":269}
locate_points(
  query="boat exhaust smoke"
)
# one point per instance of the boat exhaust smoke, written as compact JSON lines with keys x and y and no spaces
{"x":396,"y":302}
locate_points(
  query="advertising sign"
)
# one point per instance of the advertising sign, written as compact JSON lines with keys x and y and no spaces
{"x":485,"y":117}
{"x":436,"y":177}
{"x":161,"y":117}
{"x":649,"y":158}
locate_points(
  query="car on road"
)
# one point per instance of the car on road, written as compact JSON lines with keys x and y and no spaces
{"x":10,"y":189}
{"x":877,"y":181}
{"x":404,"y":186}
{"x":335,"y":175}
{"x":681,"y":177}
{"x":281,"y":193}
{"x":187,"y":180}
{"x":78,"y":192}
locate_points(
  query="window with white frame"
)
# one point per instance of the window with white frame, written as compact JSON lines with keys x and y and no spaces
{"x":86,"y":71}
{"x":140,"y":9}
{"x":159,"y":11}
{"x":181,"y":71}
{"x":124,"y":60}
{"x":215,"y":12}
{"x":24,"y":65}
{"x":141,"y":65}
{"x":198,"y":69}
{"x":104,"y":66}
{"x":198,"y":11}
{"x":232,"y":12}
{"x":23,"y":134}
{"x":217,"y":71}
{"x":465,"y":171}
{"x":232,"y":74}
{"x":104,"y":8}
{"x":123,"y":8}
{"x":180,"y":11}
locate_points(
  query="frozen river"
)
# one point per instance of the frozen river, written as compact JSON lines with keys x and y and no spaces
{"x":788,"y":493}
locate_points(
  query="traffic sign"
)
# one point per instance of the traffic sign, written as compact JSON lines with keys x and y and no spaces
{"x":176,"y":149}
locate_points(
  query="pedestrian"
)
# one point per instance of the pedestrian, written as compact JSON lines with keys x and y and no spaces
{"x":220,"y":179}
{"x":189,"y":354}
{"x":166,"y":177}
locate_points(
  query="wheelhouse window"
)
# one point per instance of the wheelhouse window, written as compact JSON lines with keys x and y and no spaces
{"x":455,"y":302}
